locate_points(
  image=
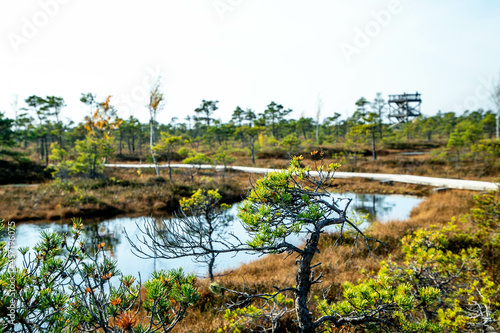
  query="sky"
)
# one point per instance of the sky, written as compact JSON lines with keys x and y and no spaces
{"x":304,"y":55}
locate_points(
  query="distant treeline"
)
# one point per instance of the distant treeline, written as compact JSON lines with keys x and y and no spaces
{"x":39,"y":125}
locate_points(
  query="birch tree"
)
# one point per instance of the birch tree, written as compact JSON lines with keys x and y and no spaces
{"x":156,"y":102}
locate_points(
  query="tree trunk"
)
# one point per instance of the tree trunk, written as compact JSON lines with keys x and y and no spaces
{"x":380,"y":123}
{"x":40,"y":149}
{"x":355,"y":159}
{"x":140,"y":142}
{"x":151,"y":141}
{"x":317,"y":131}
{"x":157,"y":168}
{"x":151,"y":134}
{"x":306,"y":322}
{"x":93,"y":171}
{"x":374,"y":153}
{"x":47,"y":151}
{"x":498,"y":124}
{"x":211,"y":264}
{"x":169,"y":168}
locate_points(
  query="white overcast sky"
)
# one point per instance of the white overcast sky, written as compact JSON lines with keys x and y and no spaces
{"x":249,"y":53}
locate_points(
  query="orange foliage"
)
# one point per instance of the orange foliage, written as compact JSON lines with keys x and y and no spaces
{"x":116,"y":301}
{"x":103,"y":120}
{"x":126,"y":321}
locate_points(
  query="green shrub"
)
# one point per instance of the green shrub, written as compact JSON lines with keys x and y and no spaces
{"x":63,"y":286}
{"x":433,"y":290}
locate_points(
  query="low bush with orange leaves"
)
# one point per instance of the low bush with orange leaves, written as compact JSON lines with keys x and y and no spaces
{"x":70,"y":287}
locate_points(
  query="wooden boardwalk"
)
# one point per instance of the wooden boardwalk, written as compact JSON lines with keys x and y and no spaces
{"x":421,"y":180}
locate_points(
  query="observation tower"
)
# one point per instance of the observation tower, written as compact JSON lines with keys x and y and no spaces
{"x":403,"y":107}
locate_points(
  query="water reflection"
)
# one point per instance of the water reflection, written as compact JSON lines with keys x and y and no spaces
{"x":111,"y":232}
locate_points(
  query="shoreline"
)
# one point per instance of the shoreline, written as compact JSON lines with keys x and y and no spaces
{"x":111,"y":197}
{"x":102,"y":210}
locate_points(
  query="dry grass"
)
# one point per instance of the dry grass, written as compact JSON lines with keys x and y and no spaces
{"x":392,"y":162}
{"x":424,"y":165}
{"x":339,"y":264}
{"x":361,"y":185}
{"x":129,"y":194}
{"x":123,"y":192}
{"x":436,"y":209}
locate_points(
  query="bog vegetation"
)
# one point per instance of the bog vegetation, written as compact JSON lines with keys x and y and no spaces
{"x":446,"y":279}
{"x":463,"y":143}
{"x":421,"y":277}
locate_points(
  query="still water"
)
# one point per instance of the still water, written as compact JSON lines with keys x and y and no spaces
{"x":112,"y":232}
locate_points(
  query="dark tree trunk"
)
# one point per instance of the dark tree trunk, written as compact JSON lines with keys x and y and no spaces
{"x":374,"y":153}
{"x":306,"y":322}
{"x":211,"y":265}
{"x":355,"y":158}
{"x":380,"y":124}
{"x":120,"y":144}
{"x":46,"y":151}
{"x":140,"y":143}
{"x":40,"y":149}
{"x":211,"y":262}
{"x":169,"y":168}
{"x":93,"y":172}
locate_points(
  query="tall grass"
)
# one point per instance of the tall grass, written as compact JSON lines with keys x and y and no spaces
{"x":339,"y":264}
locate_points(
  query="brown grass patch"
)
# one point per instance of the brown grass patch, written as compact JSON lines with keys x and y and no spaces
{"x":340,"y":264}
{"x":123,"y":192}
{"x":391,"y":161}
